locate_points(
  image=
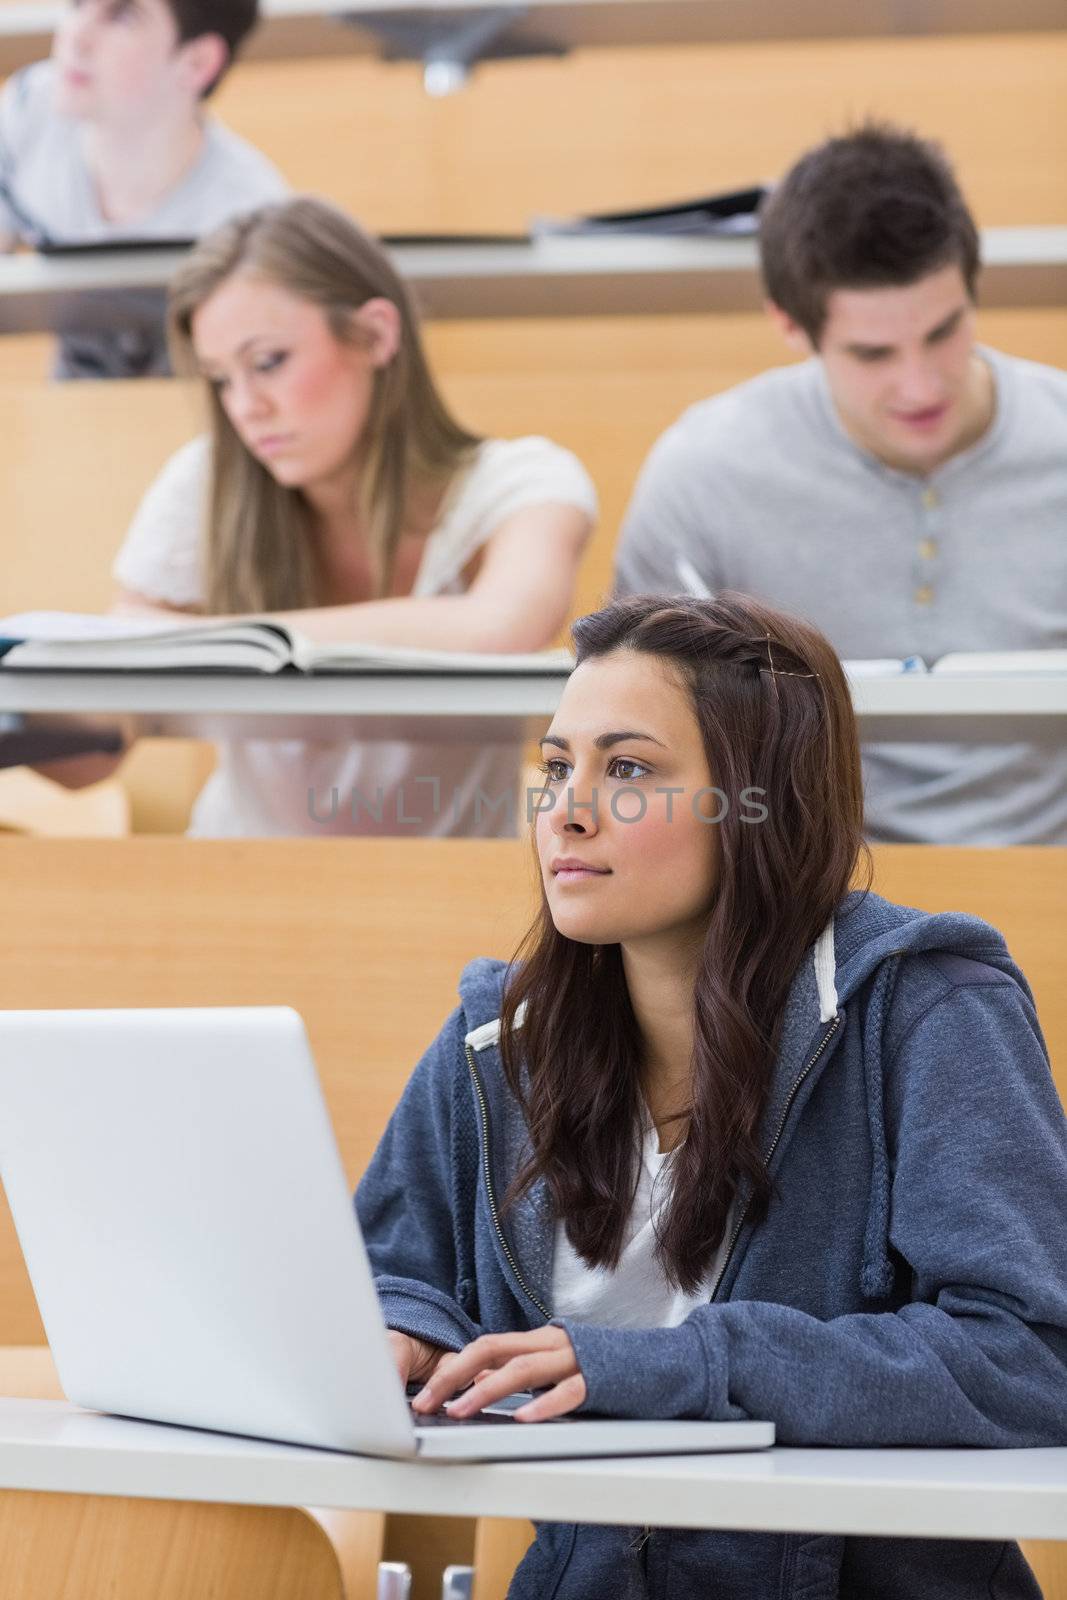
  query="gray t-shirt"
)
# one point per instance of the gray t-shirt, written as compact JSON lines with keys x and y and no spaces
{"x":47,"y":196}
{"x":761,"y":490}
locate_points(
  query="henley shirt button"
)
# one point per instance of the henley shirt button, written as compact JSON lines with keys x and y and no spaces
{"x":928,"y":549}
{"x":924,"y":595}
{"x":930,"y":498}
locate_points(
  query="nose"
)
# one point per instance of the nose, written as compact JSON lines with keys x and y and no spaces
{"x":576,"y":812}
{"x":78,"y":27}
{"x":245,"y":400}
{"x":920,"y":385}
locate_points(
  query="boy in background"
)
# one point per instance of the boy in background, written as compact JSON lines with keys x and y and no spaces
{"x":109,"y":140}
{"x":904,"y":489}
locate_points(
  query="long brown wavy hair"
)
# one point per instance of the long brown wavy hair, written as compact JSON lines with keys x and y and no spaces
{"x":775,"y":715}
{"x":257,"y":551}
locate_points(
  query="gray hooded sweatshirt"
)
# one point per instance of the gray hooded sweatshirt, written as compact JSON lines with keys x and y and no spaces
{"x":907,"y":1287}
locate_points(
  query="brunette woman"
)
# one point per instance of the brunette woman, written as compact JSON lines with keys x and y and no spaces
{"x":734,"y":1138}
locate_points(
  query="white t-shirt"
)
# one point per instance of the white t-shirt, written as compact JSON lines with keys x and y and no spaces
{"x":635,"y":1294}
{"x":382,"y":786}
{"x":47,"y":195}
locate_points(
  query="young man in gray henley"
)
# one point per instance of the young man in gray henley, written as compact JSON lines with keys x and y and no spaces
{"x":903,"y":488}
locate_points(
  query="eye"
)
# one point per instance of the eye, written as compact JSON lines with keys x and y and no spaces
{"x":870,"y":358}
{"x":939,"y":335}
{"x":555,"y":769}
{"x":636,"y":769}
{"x":271,"y":362}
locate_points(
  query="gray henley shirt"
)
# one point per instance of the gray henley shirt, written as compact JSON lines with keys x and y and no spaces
{"x":762,"y":490}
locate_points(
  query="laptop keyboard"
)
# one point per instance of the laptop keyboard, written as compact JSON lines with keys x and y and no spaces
{"x":502,"y":1411}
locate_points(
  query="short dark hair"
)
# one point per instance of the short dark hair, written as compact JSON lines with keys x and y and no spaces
{"x":232,"y":19}
{"x":877,"y":206}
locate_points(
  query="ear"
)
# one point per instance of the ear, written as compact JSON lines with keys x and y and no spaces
{"x":203,"y":59}
{"x":791,"y":331}
{"x":378,"y":323}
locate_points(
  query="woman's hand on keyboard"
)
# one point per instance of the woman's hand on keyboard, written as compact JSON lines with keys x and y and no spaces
{"x":415,"y":1359}
{"x":500,"y":1364}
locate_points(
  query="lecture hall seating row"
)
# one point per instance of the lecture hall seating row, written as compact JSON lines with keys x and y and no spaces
{"x":605,"y":387}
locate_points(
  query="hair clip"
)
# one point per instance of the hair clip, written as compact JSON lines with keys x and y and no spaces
{"x":776,"y":673}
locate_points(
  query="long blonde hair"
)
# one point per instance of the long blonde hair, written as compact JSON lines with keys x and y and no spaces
{"x":257,"y":552}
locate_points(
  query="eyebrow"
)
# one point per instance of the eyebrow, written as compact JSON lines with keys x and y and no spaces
{"x":869,"y":349}
{"x":604,"y":741}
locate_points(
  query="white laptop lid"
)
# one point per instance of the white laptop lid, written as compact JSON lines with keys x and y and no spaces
{"x":188,"y":1227}
{"x":191,"y":1237}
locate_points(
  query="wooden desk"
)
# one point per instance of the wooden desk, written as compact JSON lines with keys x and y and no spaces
{"x":974,"y":1494}
{"x":504,"y":705}
{"x":560,"y":276}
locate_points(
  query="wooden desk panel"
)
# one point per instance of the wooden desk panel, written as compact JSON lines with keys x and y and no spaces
{"x":605,"y":129}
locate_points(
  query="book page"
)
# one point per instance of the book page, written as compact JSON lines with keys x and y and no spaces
{"x":355,"y":657}
{"x":73,"y":641}
{"x":77,"y":625}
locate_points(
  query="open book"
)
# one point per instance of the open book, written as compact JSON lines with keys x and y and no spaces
{"x":59,"y":641}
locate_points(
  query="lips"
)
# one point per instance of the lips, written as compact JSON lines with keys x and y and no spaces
{"x":570,"y":866}
{"x":923,"y":419}
{"x":271,"y":443}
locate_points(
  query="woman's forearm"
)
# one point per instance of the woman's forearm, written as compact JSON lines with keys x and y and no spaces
{"x":434,"y":622}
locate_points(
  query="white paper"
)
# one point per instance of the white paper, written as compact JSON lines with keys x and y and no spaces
{"x":77,"y":625}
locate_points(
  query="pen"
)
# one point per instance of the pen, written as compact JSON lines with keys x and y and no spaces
{"x":690,"y":579}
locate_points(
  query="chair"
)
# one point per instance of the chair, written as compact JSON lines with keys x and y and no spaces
{"x":31,"y":803}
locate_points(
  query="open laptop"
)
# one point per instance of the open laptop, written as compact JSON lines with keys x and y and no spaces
{"x":192,"y":1242}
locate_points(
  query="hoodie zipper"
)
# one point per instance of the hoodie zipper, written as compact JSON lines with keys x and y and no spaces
{"x":793,"y":1092}
{"x":645,"y":1534}
{"x":487,"y":1174}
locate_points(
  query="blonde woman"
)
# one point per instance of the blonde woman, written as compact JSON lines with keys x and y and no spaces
{"x":336,"y":490}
